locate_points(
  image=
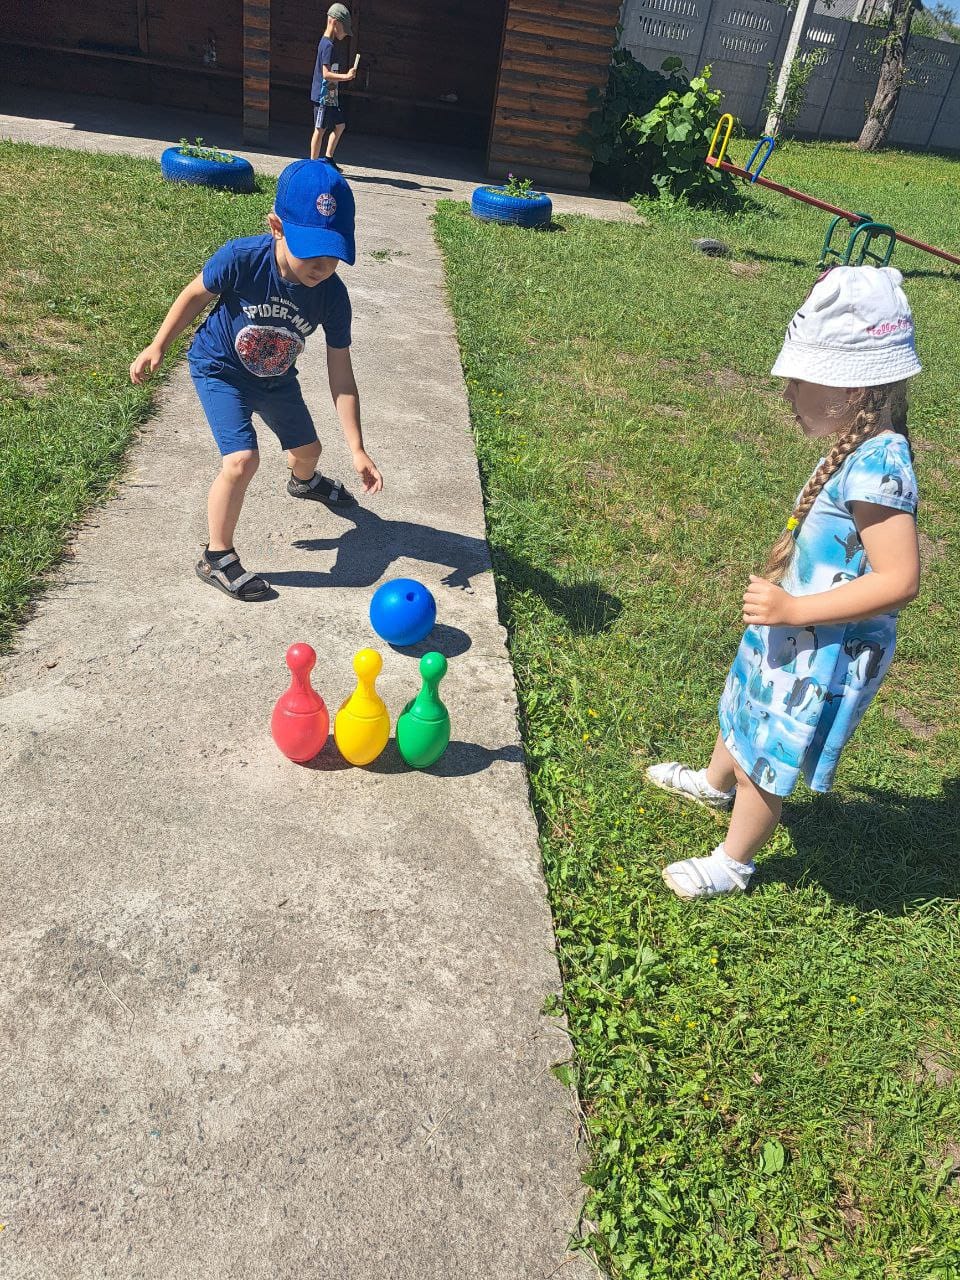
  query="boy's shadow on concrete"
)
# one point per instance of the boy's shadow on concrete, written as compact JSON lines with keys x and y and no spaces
{"x":371,"y":544}
{"x":405,"y":184}
{"x":886,"y":852}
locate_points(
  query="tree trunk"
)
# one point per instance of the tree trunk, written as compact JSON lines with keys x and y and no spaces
{"x":892,"y":74}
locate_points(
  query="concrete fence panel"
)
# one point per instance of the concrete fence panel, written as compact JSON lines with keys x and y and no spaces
{"x":827,"y":38}
{"x":930,"y":70}
{"x":744,"y":37}
{"x":658,"y":29}
{"x":741,"y":38}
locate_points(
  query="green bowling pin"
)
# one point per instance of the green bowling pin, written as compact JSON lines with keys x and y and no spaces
{"x":423,"y":729}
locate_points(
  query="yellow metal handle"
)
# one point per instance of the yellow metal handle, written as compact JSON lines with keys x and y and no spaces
{"x":725,"y":120}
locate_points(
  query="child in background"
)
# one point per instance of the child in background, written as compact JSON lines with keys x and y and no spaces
{"x":327,"y":79}
{"x":821,"y":625}
{"x":271,"y":291}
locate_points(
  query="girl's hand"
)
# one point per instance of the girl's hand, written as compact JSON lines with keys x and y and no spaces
{"x":367,"y":471}
{"x":147,"y":362}
{"x":767,"y":605}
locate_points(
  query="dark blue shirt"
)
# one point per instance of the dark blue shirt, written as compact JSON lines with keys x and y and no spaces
{"x":261,"y":322}
{"x":325,"y":93}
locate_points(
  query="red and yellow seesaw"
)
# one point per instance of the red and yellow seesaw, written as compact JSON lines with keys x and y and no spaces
{"x":859,"y":247}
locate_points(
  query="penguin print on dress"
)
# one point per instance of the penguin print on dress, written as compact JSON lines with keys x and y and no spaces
{"x":862,"y":672}
{"x":823,"y":676}
{"x":760,"y":690}
{"x":851,"y":543}
{"x":761,"y":729}
{"x":789,"y":648}
{"x":762,"y":774}
{"x":805,"y":700}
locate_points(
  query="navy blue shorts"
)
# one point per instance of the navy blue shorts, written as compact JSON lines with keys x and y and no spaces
{"x":230,"y":404}
{"x":327,"y":117}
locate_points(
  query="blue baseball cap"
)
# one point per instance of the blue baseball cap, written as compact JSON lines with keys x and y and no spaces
{"x":316,"y":207}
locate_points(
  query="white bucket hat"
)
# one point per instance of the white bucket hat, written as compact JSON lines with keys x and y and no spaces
{"x":855,"y":329}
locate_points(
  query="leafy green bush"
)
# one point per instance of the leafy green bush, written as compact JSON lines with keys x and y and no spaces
{"x":651,"y":132}
{"x":679,"y":129}
{"x":620,"y":164}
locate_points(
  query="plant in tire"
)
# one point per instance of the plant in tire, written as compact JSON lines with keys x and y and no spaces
{"x":200,"y":151}
{"x":515,"y":202}
{"x":519,"y":188}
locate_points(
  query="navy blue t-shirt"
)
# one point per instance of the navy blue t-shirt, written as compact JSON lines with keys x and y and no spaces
{"x":261,"y":322}
{"x":325,"y":93}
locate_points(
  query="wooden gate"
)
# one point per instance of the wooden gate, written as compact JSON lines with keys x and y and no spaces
{"x":554,"y":52}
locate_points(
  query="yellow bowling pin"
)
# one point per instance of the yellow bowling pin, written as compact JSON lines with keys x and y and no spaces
{"x":362,"y":726}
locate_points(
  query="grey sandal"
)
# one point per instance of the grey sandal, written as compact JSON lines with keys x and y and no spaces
{"x":245,"y":586}
{"x":319,"y":489}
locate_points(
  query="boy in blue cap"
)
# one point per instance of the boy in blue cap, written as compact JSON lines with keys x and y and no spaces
{"x":271,"y":291}
{"x":327,"y":79}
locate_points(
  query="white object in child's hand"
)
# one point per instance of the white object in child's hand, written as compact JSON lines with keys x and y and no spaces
{"x":706,"y":877}
{"x":690,"y":784}
{"x":356,"y":62}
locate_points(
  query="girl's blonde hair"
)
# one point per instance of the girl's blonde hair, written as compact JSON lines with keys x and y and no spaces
{"x":866,"y":414}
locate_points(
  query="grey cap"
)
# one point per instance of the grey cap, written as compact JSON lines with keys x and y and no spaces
{"x":342,"y":15}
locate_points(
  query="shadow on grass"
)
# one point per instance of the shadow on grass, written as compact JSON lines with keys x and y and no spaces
{"x":585,"y":606}
{"x":789,"y":260}
{"x":883,"y":852}
{"x":371,"y":544}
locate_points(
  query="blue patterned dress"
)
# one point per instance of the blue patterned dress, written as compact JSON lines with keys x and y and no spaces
{"x":795,"y":695}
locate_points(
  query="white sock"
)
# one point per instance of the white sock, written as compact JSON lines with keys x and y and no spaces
{"x":704,"y":877}
{"x":740,"y":871}
{"x":701,"y":777}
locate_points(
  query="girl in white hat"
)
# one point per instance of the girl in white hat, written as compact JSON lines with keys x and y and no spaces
{"x":822,"y":621}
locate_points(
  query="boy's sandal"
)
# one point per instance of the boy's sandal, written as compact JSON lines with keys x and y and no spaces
{"x":245,"y":586}
{"x":319,"y":489}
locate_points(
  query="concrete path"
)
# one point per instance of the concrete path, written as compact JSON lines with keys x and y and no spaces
{"x":261,"y":1020}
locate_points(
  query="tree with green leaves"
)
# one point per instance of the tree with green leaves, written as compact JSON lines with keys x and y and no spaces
{"x":892,"y":75}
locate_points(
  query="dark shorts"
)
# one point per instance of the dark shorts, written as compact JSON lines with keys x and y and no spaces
{"x":327,"y":117}
{"x":230,"y":404}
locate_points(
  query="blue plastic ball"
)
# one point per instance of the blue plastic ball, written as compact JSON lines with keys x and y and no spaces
{"x":403,"y":612}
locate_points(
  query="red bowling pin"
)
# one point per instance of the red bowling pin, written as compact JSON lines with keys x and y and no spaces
{"x":301,"y":723}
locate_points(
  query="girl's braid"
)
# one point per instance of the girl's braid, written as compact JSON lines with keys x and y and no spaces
{"x":867,"y":410}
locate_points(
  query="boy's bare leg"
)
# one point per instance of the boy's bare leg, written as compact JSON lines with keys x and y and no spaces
{"x":754,"y":819}
{"x":304,"y":459}
{"x":316,"y":142}
{"x":721,"y":771}
{"x":227,"y":492}
{"x":336,"y":133}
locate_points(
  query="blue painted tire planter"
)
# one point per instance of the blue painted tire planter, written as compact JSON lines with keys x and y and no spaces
{"x":236,"y":176}
{"x":492,"y":204}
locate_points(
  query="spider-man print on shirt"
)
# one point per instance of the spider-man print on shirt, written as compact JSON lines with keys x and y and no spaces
{"x":267,"y":350}
{"x":261,"y":322}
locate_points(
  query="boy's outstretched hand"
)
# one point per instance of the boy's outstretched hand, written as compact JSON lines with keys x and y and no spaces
{"x":147,"y":362}
{"x":367,"y":471}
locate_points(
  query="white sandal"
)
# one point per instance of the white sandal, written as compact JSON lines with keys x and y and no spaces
{"x":681,"y":780}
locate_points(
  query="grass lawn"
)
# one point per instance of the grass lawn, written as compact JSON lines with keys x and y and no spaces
{"x":94,"y":249}
{"x":771,"y":1085}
